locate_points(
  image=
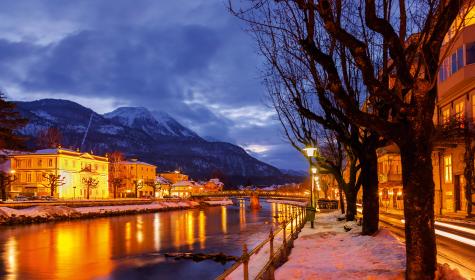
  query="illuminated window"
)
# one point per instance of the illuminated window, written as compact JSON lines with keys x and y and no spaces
{"x":28,"y":177}
{"x":50,"y":162}
{"x":40,"y":163}
{"x":445,"y":115}
{"x":473,"y":107}
{"x":460,"y":110}
{"x":28,"y":163}
{"x":448,"y":168}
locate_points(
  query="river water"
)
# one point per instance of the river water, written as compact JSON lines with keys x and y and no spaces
{"x":132,"y":247}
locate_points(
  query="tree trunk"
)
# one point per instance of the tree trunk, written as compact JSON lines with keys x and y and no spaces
{"x":342,"y":202}
{"x":3,"y":187}
{"x":52,"y":191}
{"x":369,"y":181}
{"x":351,"y":204}
{"x":87,"y":193}
{"x":419,"y":204}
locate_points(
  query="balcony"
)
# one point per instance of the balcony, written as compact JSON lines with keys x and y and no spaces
{"x":389,"y":178}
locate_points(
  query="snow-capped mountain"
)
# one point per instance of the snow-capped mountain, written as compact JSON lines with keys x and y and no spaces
{"x":153,"y":137}
{"x":156,"y":124}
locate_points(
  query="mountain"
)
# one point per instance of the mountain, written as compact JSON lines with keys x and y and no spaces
{"x":156,"y":124}
{"x":154,"y":137}
{"x":296,"y":173}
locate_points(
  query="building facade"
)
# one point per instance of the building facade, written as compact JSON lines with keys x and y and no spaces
{"x":174,"y":177}
{"x":138,"y":178}
{"x":455,"y":104}
{"x":72,"y":168}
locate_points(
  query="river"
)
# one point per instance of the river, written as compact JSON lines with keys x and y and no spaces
{"x":132,"y":247}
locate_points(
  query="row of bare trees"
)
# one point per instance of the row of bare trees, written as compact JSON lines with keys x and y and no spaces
{"x":366,"y":71}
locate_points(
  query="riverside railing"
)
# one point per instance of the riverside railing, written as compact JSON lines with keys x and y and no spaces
{"x":261,"y":261}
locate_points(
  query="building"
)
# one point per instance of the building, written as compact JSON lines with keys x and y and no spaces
{"x":455,"y":104}
{"x":137,"y":179}
{"x":456,"y":101}
{"x":174,"y":177}
{"x":164,"y":187}
{"x":213,"y":185}
{"x":390,"y":177}
{"x":81,"y":175}
{"x":184,"y":189}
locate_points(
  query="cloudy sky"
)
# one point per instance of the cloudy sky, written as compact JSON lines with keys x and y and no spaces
{"x":190,"y":58}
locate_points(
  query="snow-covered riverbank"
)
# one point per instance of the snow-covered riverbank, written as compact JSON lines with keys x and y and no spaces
{"x":38,"y":214}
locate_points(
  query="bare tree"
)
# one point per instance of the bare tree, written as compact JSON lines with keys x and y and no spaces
{"x":49,"y":138}
{"x":115,"y":179}
{"x":138,"y":184}
{"x":399,"y":74}
{"x":294,"y":81}
{"x":154,"y":185}
{"x":6,"y":179}
{"x":53,"y":182}
{"x":90,"y":183}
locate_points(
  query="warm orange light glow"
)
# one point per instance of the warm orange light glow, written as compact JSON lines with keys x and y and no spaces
{"x":224,"y":219}
{"x":202,"y":229}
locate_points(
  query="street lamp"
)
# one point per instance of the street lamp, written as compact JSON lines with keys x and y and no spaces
{"x":311,"y":152}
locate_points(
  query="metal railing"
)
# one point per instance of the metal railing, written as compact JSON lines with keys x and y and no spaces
{"x":286,"y":234}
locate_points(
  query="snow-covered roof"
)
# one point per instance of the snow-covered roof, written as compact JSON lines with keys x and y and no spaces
{"x":136,"y":162}
{"x":186,"y":184}
{"x":162,"y":180}
{"x":216,"y":181}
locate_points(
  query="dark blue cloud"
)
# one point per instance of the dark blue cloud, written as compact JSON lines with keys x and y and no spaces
{"x":189,"y":58}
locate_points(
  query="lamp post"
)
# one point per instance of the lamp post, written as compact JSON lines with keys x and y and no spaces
{"x":74,"y":192}
{"x":311,"y":152}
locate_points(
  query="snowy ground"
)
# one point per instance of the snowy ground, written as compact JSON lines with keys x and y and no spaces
{"x":331,"y":252}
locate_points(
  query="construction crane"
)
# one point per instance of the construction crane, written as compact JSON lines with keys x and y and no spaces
{"x":87,"y":130}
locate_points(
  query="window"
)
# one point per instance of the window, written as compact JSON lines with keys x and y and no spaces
{"x":453,"y":63}
{"x":460,"y":58}
{"x":50,"y":162}
{"x":28,"y":177}
{"x":470,"y":53}
{"x":444,"y":70}
{"x":460,"y":110}
{"x":445,"y":115}
{"x":28,"y":163}
{"x":40,"y":163}
{"x":448,"y":168}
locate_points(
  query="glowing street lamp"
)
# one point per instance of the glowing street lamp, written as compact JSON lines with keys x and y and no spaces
{"x":311,"y":152}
